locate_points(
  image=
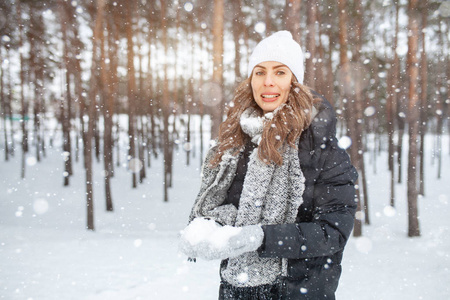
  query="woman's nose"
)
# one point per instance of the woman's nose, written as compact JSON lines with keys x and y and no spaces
{"x":268,"y":80}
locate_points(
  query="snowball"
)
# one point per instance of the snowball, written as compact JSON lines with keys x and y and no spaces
{"x":199,"y":230}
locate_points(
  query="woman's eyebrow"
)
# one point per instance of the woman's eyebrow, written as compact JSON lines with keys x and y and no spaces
{"x":275,"y":67}
{"x":279,"y":66}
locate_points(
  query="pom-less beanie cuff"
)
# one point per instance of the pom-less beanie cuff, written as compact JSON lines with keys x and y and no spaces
{"x":282,"y":48}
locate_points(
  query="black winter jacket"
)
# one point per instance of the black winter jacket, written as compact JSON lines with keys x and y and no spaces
{"x":315,"y":243}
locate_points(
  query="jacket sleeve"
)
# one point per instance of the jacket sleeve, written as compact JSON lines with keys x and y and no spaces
{"x":333,"y":216}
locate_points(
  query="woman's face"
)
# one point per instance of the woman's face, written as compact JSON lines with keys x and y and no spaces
{"x":271,"y":83}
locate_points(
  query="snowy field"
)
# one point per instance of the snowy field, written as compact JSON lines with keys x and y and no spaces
{"x":45,"y":252}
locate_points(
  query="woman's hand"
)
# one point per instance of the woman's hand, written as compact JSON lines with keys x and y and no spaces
{"x":212,"y":241}
{"x":195,"y":233}
{"x":229,"y":241}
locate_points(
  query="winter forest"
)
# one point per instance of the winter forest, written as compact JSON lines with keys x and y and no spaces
{"x":107,"y":109}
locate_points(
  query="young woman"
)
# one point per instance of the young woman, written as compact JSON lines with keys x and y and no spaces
{"x":276,"y":203}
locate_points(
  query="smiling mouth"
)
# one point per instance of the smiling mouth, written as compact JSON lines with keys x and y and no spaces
{"x":267,"y":97}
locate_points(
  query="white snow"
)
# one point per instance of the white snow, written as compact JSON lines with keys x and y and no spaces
{"x":46,"y":253}
{"x":199,"y":230}
{"x":207,"y":231}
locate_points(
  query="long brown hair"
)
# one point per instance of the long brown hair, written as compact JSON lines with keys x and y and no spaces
{"x":286,"y":125}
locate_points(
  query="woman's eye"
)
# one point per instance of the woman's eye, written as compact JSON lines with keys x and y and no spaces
{"x":259,"y":73}
{"x":281,"y":72}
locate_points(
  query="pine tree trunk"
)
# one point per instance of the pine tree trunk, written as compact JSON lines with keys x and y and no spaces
{"x":91,"y":113}
{"x":400,"y":134}
{"x":310,"y":65}
{"x":322,"y":86}
{"x":66,"y":100}
{"x":107,"y":112}
{"x":345,"y":67}
{"x":397,"y":97}
{"x":217,"y":77}
{"x":23,"y":103}
{"x":142,"y":146}
{"x":165,"y":106}
{"x":36,"y":72}
{"x":358,"y":109}
{"x":413,"y":117}
{"x":201,"y":106}
{"x":4,"y":107}
{"x":237,"y":25}
{"x":151,"y":136}
{"x":440,"y":108}
{"x":423,"y":98}
{"x":293,"y":18}
{"x":131,"y":91}
{"x":9,"y":106}
{"x":267,"y":17}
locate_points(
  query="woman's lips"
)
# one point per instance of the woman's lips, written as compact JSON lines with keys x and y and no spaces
{"x":270,"y":97}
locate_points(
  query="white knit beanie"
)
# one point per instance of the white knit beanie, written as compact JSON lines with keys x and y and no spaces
{"x":282,"y":48}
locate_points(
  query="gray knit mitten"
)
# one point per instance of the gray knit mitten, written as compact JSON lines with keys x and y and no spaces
{"x":229,"y":241}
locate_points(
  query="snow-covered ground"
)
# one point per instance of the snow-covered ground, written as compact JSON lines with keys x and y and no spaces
{"x":45,"y":252}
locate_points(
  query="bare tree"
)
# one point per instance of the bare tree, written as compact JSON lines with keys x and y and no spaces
{"x":130,"y":9}
{"x":66,"y":100}
{"x":217,"y":77}
{"x":237,"y":25}
{"x":165,"y":105}
{"x":107,"y":96}
{"x":310,"y":66}
{"x":413,"y":117}
{"x":440,"y":99}
{"x":391,"y":104}
{"x":267,"y":17}
{"x":351,"y":122}
{"x":358,"y":108}
{"x":4,"y":107}
{"x":23,"y":102}
{"x":36,"y":36}
{"x":94,"y":80}
{"x":292,"y":18}
{"x":423,"y":97}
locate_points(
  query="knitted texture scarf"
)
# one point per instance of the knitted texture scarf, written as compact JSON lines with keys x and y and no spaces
{"x":271,"y":194}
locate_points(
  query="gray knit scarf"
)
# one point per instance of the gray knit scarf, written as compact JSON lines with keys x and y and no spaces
{"x":271,"y":194}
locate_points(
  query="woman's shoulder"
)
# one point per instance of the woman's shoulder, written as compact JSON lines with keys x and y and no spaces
{"x":324,"y":109}
{"x":323,"y":123}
